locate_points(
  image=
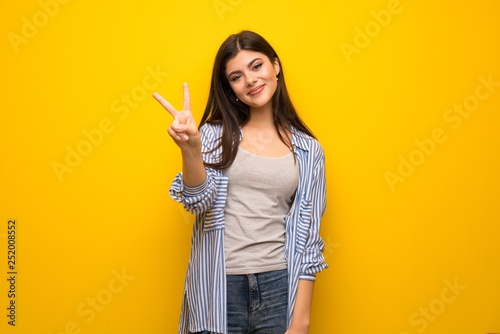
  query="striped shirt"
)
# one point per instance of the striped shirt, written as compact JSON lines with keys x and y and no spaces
{"x":204,"y":301}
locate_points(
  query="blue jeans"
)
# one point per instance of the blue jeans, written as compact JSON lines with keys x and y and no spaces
{"x":257,"y":303}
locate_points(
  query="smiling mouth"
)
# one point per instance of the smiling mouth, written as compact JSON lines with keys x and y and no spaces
{"x":256,"y":90}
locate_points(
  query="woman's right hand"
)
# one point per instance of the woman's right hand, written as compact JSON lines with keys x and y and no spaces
{"x":183,"y":128}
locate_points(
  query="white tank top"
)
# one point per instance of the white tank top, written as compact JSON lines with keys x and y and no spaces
{"x":260,"y":193}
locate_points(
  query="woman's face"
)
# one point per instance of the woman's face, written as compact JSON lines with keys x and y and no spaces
{"x":252,"y":77}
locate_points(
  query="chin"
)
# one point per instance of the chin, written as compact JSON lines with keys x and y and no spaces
{"x":259,"y":103}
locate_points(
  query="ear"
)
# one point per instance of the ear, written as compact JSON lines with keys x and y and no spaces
{"x":277,"y":67}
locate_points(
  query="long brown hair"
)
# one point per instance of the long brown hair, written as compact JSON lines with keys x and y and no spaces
{"x":223,"y":108}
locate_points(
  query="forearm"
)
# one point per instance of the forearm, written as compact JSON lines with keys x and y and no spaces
{"x":193,"y":170}
{"x":301,"y":317}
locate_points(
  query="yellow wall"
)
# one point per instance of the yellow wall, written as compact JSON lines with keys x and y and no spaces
{"x":404,"y":95}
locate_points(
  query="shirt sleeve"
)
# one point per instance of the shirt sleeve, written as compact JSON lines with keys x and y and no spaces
{"x":197,"y":199}
{"x":313,"y":261}
{"x":194,"y":199}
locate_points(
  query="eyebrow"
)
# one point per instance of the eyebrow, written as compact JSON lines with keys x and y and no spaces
{"x":249,"y":65}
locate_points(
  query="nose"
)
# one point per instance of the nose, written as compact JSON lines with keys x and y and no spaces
{"x":251,"y":80}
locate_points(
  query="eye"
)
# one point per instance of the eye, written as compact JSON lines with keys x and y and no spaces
{"x":235,"y":78}
{"x":257,"y":66}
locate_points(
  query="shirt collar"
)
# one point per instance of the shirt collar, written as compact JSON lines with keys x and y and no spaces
{"x":300,"y":139}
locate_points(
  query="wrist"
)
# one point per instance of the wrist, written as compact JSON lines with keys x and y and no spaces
{"x":301,"y":323}
{"x":191,"y":152}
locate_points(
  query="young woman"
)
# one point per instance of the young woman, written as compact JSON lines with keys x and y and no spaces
{"x":254,"y":175}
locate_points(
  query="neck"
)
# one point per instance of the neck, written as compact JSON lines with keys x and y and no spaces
{"x":261,"y":117}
